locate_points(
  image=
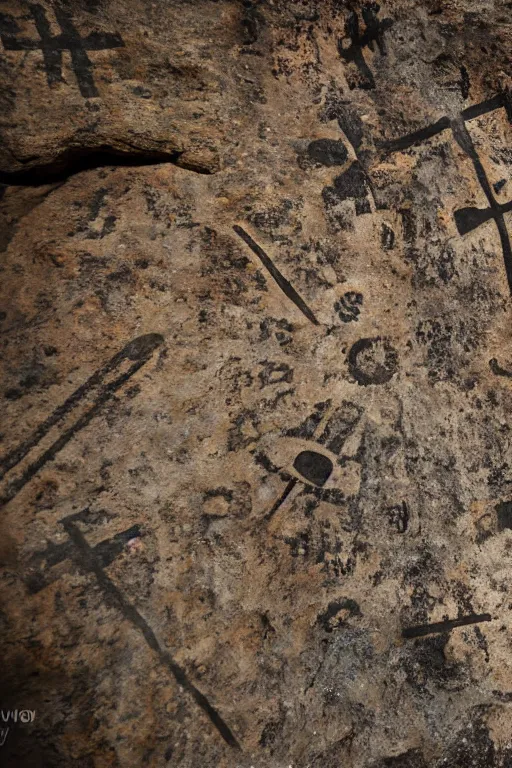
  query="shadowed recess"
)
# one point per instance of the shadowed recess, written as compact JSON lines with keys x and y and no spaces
{"x":79,"y":159}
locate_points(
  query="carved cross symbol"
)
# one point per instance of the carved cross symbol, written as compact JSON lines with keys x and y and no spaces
{"x":468,"y":219}
{"x":52,"y":46}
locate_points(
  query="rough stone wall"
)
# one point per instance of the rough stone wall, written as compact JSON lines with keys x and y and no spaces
{"x":256,"y":391}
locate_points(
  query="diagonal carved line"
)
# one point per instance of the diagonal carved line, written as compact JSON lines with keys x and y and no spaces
{"x":445,"y":626}
{"x":142,"y":347}
{"x":282,"y":498}
{"x":138,"y":350}
{"x":91,"y":564}
{"x":465,"y":142}
{"x":51,"y":56}
{"x":282,"y":282}
{"x":81,"y":63}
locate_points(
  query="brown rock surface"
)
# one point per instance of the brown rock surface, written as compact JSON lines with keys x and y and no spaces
{"x":257,"y":370}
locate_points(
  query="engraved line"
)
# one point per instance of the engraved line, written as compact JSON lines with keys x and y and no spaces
{"x":404,"y":142}
{"x":282,"y":498}
{"x":445,"y":626}
{"x":130,"y":613}
{"x":52,"y":57}
{"x":145,"y":346}
{"x":282,"y":282}
{"x":107,"y":392}
{"x":470,"y":113}
{"x":70,"y":40}
{"x":465,"y":142}
{"x":477,"y":110}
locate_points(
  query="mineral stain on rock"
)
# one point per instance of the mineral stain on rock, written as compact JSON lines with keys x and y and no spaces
{"x":327,"y":152}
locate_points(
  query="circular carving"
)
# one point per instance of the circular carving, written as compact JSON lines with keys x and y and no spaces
{"x":372,"y":361}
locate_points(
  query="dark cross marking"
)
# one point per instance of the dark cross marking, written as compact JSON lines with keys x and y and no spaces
{"x":107,"y":551}
{"x":468,"y":219}
{"x":374,"y":32}
{"x":90,"y":560}
{"x":52,"y":46}
{"x":445,"y":626}
{"x":138,"y":351}
{"x":315,"y":467}
{"x":282,"y":282}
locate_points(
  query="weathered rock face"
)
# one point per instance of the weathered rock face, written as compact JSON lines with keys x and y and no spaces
{"x":257,"y":364}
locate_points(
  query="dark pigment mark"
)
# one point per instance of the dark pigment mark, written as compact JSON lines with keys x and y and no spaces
{"x":327,"y":152}
{"x":347,"y":307}
{"x":374,"y":32}
{"x":498,"y":185}
{"x":137,"y":351}
{"x":308,"y":427}
{"x":445,"y":626}
{"x":282,"y":282}
{"x":274,"y":373}
{"x":464,"y":82}
{"x":91,"y":563}
{"x":468,"y":219}
{"x":399,"y":517}
{"x":353,"y":184}
{"x":372,"y":361}
{"x":387,"y":237}
{"x":69,"y":40}
{"x":498,"y":370}
{"x":337,"y":613}
{"x":53,"y":554}
{"x":504,"y":514}
{"x":314,"y":467}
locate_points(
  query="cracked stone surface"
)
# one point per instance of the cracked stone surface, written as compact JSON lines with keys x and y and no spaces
{"x":255,"y":465}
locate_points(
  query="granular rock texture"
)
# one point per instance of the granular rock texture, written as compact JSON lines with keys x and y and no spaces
{"x":256,"y":469}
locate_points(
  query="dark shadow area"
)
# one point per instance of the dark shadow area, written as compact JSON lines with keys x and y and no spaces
{"x":80,"y":159}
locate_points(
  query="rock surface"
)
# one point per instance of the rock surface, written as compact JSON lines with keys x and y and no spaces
{"x":257,"y":384}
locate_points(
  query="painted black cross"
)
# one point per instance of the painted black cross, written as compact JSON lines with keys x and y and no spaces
{"x":52,"y":46}
{"x":468,"y":219}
